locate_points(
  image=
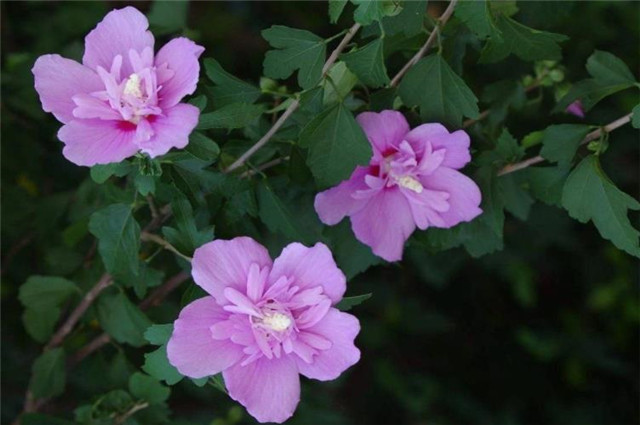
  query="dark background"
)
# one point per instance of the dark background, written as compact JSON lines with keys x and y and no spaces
{"x":544,"y":332}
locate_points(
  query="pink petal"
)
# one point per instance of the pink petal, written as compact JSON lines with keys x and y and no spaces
{"x":225,"y":263}
{"x":88,"y":106}
{"x":426,"y":207}
{"x":120,"y":31}
{"x":181,"y":56}
{"x":90,"y":142}
{"x":58,"y":79}
{"x":385,"y":130}
{"x":341,"y":330}
{"x":171,"y":130}
{"x":334,"y":204}
{"x":269,"y":389}
{"x":192,"y":349}
{"x":385,"y":223}
{"x":456,"y":144}
{"x":310,"y":267}
{"x":464,"y":195}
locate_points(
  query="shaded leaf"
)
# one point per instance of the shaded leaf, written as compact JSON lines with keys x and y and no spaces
{"x":234,"y":115}
{"x":118,"y":236}
{"x":147,"y":388}
{"x":48,"y":375}
{"x":122,"y":320}
{"x":560,"y":142}
{"x":348,"y":302}
{"x":368,"y":64}
{"x":228,"y":89}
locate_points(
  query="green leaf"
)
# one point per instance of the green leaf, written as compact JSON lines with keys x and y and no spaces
{"x":410,"y":20}
{"x":546,"y":183}
{"x":507,"y":150}
{"x":342,"y":81}
{"x":348,"y":302}
{"x":157,"y":365}
{"x":277,"y":216}
{"x":122,"y":320}
{"x":368,"y":11}
{"x":42,"y":297}
{"x":40,"y":419}
{"x":610,"y":75}
{"x":199,"y":102}
{"x":158,"y":334}
{"x":352,"y":256}
{"x":527,"y":43}
{"x":145,"y":185}
{"x":297,"y":50}
{"x":501,"y":96}
{"x":188,"y":237}
{"x":147,"y":278}
{"x":147,"y":388}
{"x":202,"y":147}
{"x":228,"y":89}
{"x":609,"y":69}
{"x":635,"y":118}
{"x":588,"y":195}
{"x":234,"y":115}
{"x":118,"y":236}
{"x":516,"y":199}
{"x":368,"y":64}
{"x":336,"y":145}
{"x":168,"y":16}
{"x":443,"y":96}
{"x":100,"y":173}
{"x":476,"y":15}
{"x":560,"y":142}
{"x":48,"y":375}
{"x":335,"y":9}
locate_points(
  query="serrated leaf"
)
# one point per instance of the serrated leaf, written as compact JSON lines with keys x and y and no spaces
{"x":516,"y":199}
{"x":118,"y":236}
{"x":589,"y":195}
{"x":158,"y":334}
{"x":122,"y":320}
{"x":145,"y":185}
{"x":409,"y":21}
{"x":336,"y":145}
{"x":546,"y":183}
{"x":234,"y":115}
{"x":147,"y":278}
{"x":296,"y":50}
{"x":368,"y":64}
{"x":609,"y":69}
{"x":335,"y":9}
{"x":507,"y":150}
{"x":443,"y":96}
{"x":202,"y":147}
{"x":40,"y":324}
{"x":342,"y":81}
{"x":100,"y":173}
{"x":147,"y":388}
{"x":157,"y":365}
{"x":168,"y":16}
{"x":187,"y":237}
{"x":476,"y":15}
{"x":348,"y":302}
{"x":351,"y":255}
{"x":228,"y":89}
{"x":560,"y":142}
{"x":527,"y":43}
{"x":277,"y":216}
{"x":368,"y":11}
{"x":48,"y":374}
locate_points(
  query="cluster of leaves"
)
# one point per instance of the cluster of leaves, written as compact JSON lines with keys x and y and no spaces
{"x":189,"y":199}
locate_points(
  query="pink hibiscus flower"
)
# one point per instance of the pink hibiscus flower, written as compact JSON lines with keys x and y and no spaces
{"x":411,"y":181}
{"x":265,"y":323}
{"x":122,"y":99}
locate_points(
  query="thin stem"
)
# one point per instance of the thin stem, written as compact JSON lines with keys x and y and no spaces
{"x":589,"y":137}
{"x":294,"y":105}
{"x":264,"y":166}
{"x":442,"y":21}
{"x":150,"y":237}
{"x":58,"y":338}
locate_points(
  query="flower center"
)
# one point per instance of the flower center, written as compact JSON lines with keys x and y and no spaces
{"x":277,"y":321}
{"x":133,"y":86}
{"x":410,"y":183}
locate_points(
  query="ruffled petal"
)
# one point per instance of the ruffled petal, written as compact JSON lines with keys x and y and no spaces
{"x":58,"y":79}
{"x":310,"y":267}
{"x":456,"y":144}
{"x":464,"y":195}
{"x":91,"y":142}
{"x":180,"y":55}
{"x":170,"y":130}
{"x":269,"y":389}
{"x":192,"y":349}
{"x":119,"y":32}
{"x":385,"y":130}
{"x":385,"y":223}
{"x":226,"y":263}
{"x":334,"y":204}
{"x":341,"y":330}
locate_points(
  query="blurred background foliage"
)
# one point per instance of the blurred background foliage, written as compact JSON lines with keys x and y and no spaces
{"x":545,"y":331}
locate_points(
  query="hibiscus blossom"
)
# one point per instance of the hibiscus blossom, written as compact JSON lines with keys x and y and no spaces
{"x":122,"y":98}
{"x":264,"y":323}
{"x":411,"y":181}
